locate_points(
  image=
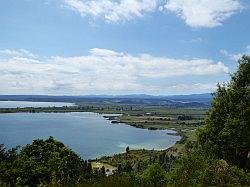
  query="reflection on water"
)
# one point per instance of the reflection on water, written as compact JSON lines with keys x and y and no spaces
{"x":23,"y":104}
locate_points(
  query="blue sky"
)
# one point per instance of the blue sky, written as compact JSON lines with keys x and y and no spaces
{"x":78,"y":47}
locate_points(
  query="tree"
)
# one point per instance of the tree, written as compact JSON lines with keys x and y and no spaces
{"x":154,"y":174}
{"x":7,"y":166}
{"x":227,"y":130}
{"x":195,"y":169}
{"x":119,"y":168}
{"x":127,"y":149}
{"x":103,"y":171}
{"x":43,"y":161}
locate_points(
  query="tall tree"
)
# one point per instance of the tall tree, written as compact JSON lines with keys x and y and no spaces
{"x":227,"y":130}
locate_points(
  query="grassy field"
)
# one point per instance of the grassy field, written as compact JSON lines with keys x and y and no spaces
{"x":181,"y":120}
{"x":184,"y":121}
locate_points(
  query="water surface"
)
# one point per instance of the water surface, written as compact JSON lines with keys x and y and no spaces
{"x":89,"y":134}
{"x":23,"y":104}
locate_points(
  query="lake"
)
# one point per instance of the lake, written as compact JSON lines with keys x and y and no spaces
{"x":88,"y":134}
{"x":23,"y":104}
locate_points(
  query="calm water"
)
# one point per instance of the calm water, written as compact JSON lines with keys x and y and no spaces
{"x":89,"y":134}
{"x":22,"y":104}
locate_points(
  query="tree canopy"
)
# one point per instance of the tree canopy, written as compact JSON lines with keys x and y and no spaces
{"x":43,"y":161}
{"x":227,"y":130}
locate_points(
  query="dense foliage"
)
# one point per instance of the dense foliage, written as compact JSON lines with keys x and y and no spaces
{"x":227,"y":130}
{"x":50,"y":163}
{"x":43,"y":161}
{"x":196,"y":169}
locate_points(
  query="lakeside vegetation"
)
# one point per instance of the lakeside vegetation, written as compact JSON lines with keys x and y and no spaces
{"x":216,"y":154}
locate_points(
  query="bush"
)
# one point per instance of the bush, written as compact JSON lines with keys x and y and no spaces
{"x":195,"y":169}
{"x":154,"y":175}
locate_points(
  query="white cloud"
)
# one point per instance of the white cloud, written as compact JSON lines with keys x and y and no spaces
{"x":102,"y":71}
{"x":195,"y":13}
{"x":248,"y":50}
{"x":203,"y":13}
{"x":112,"y":11}
{"x":207,"y":87}
{"x":17,"y":53}
{"x":236,"y":56}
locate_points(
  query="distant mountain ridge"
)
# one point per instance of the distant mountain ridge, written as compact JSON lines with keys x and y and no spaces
{"x":138,"y":96}
{"x":193,"y":100}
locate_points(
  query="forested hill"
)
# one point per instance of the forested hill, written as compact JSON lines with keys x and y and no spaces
{"x":194,"y":100}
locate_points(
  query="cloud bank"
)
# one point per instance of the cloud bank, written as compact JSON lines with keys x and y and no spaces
{"x":195,"y":13}
{"x":203,"y":13}
{"x":102,"y":71}
{"x":112,"y":11}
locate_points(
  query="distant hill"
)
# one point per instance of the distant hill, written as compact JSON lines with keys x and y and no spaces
{"x":197,"y":97}
{"x":193,"y":100}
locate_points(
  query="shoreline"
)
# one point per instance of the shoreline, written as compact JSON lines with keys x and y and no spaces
{"x":113,"y":120}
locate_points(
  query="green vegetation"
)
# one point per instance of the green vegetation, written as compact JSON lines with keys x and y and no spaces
{"x":153,"y":175}
{"x":42,"y":162}
{"x":227,"y":130}
{"x":196,"y":169}
{"x":50,"y":163}
{"x":112,"y":109}
{"x":45,"y":109}
{"x":138,"y":160}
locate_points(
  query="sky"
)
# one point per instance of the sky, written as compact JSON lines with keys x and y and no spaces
{"x":117,"y":47}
